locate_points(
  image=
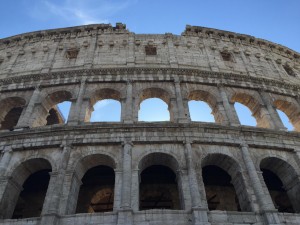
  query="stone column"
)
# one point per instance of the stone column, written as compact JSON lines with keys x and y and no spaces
{"x":125,"y":213}
{"x":74,"y":117}
{"x":7,"y":154}
{"x":173,"y":110}
{"x":118,"y":190}
{"x":278,"y":125}
{"x":265,"y":202}
{"x":183,"y":188}
{"x":26,"y":117}
{"x":229,"y":107}
{"x":128,"y":107}
{"x":135,"y":190}
{"x":182,"y":117}
{"x":185,"y":102}
{"x":199,"y":210}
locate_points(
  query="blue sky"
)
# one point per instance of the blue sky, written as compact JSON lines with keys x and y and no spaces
{"x":274,"y":20}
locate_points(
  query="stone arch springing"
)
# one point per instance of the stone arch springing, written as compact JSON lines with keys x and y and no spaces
{"x":25,"y":192}
{"x":237,"y":198}
{"x":101,"y":99}
{"x":291,"y":110}
{"x":283,"y":184}
{"x":93,"y":185}
{"x":158,"y":93}
{"x":257,"y":109}
{"x":211,"y":100}
{"x":47,"y":112}
{"x":11,"y":110}
{"x":159,"y":185}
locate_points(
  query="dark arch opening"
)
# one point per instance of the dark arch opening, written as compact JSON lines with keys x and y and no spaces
{"x":11,"y":119}
{"x":277,"y":192}
{"x":158,"y":188}
{"x":31,"y":198}
{"x":220,"y":192}
{"x":97,"y":190}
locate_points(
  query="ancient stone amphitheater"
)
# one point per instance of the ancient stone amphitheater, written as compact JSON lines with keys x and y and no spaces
{"x":178,"y":172}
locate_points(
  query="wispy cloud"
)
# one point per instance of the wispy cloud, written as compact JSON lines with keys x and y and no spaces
{"x":79,"y":11}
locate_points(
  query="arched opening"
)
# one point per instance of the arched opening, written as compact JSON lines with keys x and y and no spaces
{"x":97,"y":190}
{"x":224,"y":184}
{"x":31,"y":198}
{"x":220,"y":192}
{"x":106,"y":106}
{"x":283,"y":184}
{"x":53,"y":110}
{"x":25,"y":192}
{"x":159,"y":185}
{"x":244,"y":114}
{"x":200,"y":111}
{"x":155,"y":105}
{"x":257,"y":110}
{"x":291,"y":110}
{"x":285,"y":120}
{"x":106,"y":110}
{"x":153,"y":109}
{"x":158,"y":188}
{"x":278,"y":194}
{"x":11,"y":110}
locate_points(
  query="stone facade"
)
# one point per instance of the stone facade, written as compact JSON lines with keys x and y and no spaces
{"x":89,"y":63}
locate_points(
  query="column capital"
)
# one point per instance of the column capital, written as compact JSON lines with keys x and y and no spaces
{"x":124,"y":143}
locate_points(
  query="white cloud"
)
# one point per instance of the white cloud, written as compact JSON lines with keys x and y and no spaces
{"x":77,"y":12}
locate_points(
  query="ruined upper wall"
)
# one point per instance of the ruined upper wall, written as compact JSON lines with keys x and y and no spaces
{"x":105,"y":46}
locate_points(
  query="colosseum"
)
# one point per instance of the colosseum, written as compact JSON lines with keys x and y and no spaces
{"x":55,"y":171}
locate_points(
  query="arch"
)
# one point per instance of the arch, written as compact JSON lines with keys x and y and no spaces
{"x":47,"y":112}
{"x":11,"y":109}
{"x":159,"y":186}
{"x":227,"y":165}
{"x":211,"y":100}
{"x":291,"y":110}
{"x":159,"y":93}
{"x":275,"y":168}
{"x":89,"y":185}
{"x":105,"y":93}
{"x":255,"y":106}
{"x":22,"y":189}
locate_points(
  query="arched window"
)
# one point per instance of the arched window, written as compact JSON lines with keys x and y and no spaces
{"x":153,"y":109}
{"x":97,"y":190}
{"x":11,"y":110}
{"x":224,"y":184}
{"x":291,"y":110}
{"x":31,"y":199}
{"x":106,"y":106}
{"x":285,"y":120}
{"x":200,"y":111}
{"x":244,"y":114}
{"x":283,"y":184}
{"x":158,"y":188}
{"x":107,"y":110}
{"x":220,"y":192}
{"x":25,"y":193}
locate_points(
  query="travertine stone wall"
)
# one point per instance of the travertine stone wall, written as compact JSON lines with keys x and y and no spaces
{"x":89,"y":63}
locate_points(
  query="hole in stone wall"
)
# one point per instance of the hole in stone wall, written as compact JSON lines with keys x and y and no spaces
{"x":244,"y":114}
{"x":226,"y":56}
{"x":153,"y":109}
{"x":285,"y":120}
{"x":97,"y":190}
{"x":150,"y":50}
{"x":278,"y":193}
{"x":158,"y":189}
{"x":200,"y":111}
{"x":220,"y":193}
{"x":289,"y":70}
{"x":106,"y":110}
{"x":31,"y":199}
{"x":11,"y":119}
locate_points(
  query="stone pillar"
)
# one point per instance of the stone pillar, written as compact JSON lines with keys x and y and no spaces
{"x":221,"y":112}
{"x":265,"y":202}
{"x":278,"y":125}
{"x":26,"y":117}
{"x":128,"y":107}
{"x":7,"y":154}
{"x":186,"y":108}
{"x":74,"y":117}
{"x":229,"y":107}
{"x":183,"y":189}
{"x":199,"y":210}
{"x":173,"y":110}
{"x":182,"y":117}
{"x":135,"y":190}
{"x":118,"y":190}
